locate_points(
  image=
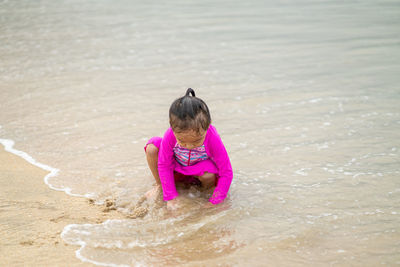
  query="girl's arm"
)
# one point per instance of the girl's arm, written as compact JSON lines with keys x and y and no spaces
{"x":166,"y":164}
{"x":220,"y":156}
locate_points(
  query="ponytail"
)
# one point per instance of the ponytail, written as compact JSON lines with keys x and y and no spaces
{"x":190,"y":91}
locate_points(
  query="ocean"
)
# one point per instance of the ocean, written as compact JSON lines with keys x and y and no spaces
{"x":304,"y":93}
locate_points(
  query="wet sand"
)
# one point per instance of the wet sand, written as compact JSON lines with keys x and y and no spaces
{"x":32,"y":216}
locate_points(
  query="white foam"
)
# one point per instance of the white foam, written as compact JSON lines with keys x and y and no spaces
{"x":8,"y":146}
{"x":315,"y":100}
{"x":82,"y":245}
{"x":69,"y":236}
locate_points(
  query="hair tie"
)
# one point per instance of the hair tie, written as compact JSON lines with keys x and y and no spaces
{"x":190,"y":91}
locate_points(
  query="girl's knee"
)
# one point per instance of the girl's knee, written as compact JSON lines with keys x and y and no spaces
{"x":207,"y":180}
{"x":207,"y":176}
{"x":151,"y":150}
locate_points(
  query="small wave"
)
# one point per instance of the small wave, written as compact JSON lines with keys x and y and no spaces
{"x":140,"y":236}
{"x":8,"y":146}
{"x":136,"y":233}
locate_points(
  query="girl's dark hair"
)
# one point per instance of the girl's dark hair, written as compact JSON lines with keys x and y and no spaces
{"x":189,"y":113}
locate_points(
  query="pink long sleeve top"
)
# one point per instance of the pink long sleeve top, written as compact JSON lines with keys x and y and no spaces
{"x":217,"y":154}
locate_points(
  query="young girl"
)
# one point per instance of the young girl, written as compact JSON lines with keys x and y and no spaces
{"x":191,"y":148}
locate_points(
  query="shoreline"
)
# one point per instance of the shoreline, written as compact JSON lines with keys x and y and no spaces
{"x":33,"y":215}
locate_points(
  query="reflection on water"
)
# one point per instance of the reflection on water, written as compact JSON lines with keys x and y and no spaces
{"x":304,"y":94}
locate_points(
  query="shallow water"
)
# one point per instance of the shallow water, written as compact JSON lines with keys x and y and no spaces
{"x":305,"y":95}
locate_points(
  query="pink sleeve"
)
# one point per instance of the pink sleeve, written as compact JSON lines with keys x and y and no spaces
{"x":166,"y":164}
{"x":220,"y":156}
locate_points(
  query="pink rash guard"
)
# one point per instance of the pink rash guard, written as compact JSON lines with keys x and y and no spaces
{"x":218,"y":162}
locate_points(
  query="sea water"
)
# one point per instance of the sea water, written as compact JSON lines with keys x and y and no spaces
{"x":305,"y":95}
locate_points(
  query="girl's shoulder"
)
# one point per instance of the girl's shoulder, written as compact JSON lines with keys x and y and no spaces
{"x":213,"y":143}
{"x":212,"y":133}
{"x":169,"y":135}
{"x":211,"y":129}
{"x":169,"y":131}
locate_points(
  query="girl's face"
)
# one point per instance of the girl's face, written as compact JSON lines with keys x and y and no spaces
{"x":190,"y":139}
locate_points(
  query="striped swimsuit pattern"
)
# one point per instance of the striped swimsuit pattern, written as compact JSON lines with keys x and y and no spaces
{"x":189,"y":157}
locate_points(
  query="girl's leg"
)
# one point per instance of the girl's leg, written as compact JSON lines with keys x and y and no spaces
{"x":152,"y":161}
{"x":207,"y":179}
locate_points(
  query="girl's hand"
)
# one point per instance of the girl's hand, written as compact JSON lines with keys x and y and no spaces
{"x":208,"y":205}
{"x":173,"y":204}
{"x":154,"y":192}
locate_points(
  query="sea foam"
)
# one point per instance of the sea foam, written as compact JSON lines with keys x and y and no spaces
{"x":8,"y":146}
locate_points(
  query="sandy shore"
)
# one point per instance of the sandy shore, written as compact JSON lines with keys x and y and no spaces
{"x":32,"y":216}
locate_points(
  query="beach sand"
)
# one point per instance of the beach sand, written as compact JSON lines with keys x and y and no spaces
{"x":32,"y":216}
